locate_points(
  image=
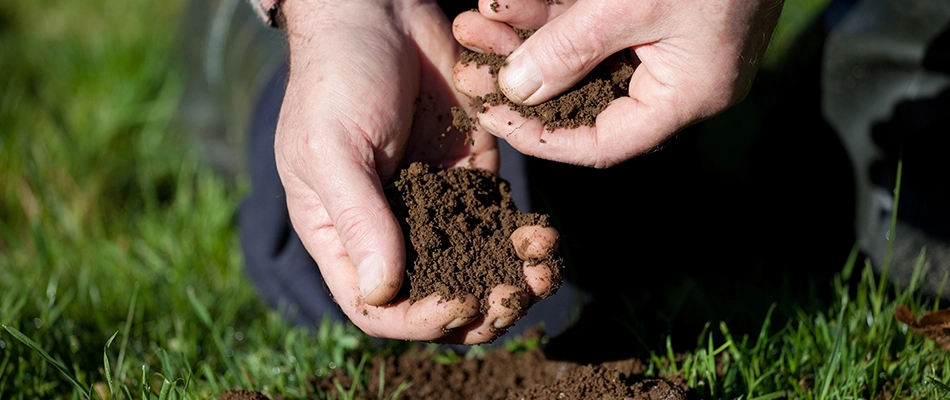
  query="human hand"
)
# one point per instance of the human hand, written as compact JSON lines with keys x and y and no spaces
{"x":695,"y":58}
{"x":368,"y":92}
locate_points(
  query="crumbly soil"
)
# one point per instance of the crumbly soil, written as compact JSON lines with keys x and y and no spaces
{"x":458,"y":224}
{"x":500,"y":374}
{"x":578,"y":106}
{"x":506,"y":375}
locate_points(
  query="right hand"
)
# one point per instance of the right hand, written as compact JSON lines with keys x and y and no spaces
{"x":696,"y":58}
{"x":368,"y":92}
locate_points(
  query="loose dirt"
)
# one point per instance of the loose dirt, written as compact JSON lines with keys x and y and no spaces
{"x":578,"y":106}
{"x":506,"y":375}
{"x":458,"y":224}
{"x":500,"y":374}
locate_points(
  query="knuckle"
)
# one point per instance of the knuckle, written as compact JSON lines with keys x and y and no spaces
{"x":566,"y":53}
{"x":354,"y":225}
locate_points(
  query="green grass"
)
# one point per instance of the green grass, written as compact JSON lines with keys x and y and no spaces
{"x":855,"y":349}
{"x":120,"y":270}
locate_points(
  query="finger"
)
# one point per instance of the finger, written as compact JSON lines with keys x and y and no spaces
{"x":427,"y":319}
{"x":535,"y":241}
{"x":473,"y":80}
{"x":483,"y":35}
{"x":523,"y":14}
{"x":626,"y":128}
{"x":506,"y":305}
{"x":561,"y":53}
{"x":353,"y":197}
{"x":542,"y":279}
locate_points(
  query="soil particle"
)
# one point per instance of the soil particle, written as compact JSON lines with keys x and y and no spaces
{"x":524,"y":33}
{"x":464,"y":123}
{"x":578,"y":106}
{"x":458,"y":224}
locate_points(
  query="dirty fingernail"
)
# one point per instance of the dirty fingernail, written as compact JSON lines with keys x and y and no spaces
{"x":370,"y":273}
{"x":520,"y":78}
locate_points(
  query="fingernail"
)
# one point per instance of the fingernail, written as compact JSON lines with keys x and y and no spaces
{"x":503,"y":322}
{"x":458,"y":322}
{"x":521,"y":77}
{"x":370,"y":273}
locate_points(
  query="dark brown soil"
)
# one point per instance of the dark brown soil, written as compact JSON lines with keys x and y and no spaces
{"x":576,"y":107}
{"x":505,"y":375}
{"x":458,"y":224}
{"x":501,"y":374}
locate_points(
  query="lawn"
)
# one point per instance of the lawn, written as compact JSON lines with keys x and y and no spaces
{"x":120,"y":267}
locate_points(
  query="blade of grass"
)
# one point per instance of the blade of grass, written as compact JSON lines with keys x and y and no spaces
{"x":145,"y":386}
{"x":39,"y":350}
{"x":770,"y":396}
{"x":165,"y":390}
{"x":120,"y":361}
{"x":382,"y":381}
{"x":105,"y":363}
{"x":832,"y":367}
{"x":205,"y":317}
{"x":939,"y":386}
{"x":892,"y":232}
{"x":402,"y":388}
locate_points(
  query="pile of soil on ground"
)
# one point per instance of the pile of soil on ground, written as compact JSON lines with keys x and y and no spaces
{"x":577,"y":106}
{"x":500,"y":374}
{"x":458,"y":224}
{"x":505,"y":375}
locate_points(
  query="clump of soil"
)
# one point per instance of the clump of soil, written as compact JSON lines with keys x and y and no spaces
{"x":458,"y":224}
{"x":578,"y":106}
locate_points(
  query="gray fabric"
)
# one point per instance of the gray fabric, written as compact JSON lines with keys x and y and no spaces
{"x":874,"y":63}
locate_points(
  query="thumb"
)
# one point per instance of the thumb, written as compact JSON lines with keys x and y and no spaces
{"x":556,"y":57}
{"x":368,"y":230}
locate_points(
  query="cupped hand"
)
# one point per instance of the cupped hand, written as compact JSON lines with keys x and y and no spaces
{"x":368,"y":92}
{"x":695,"y":58}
